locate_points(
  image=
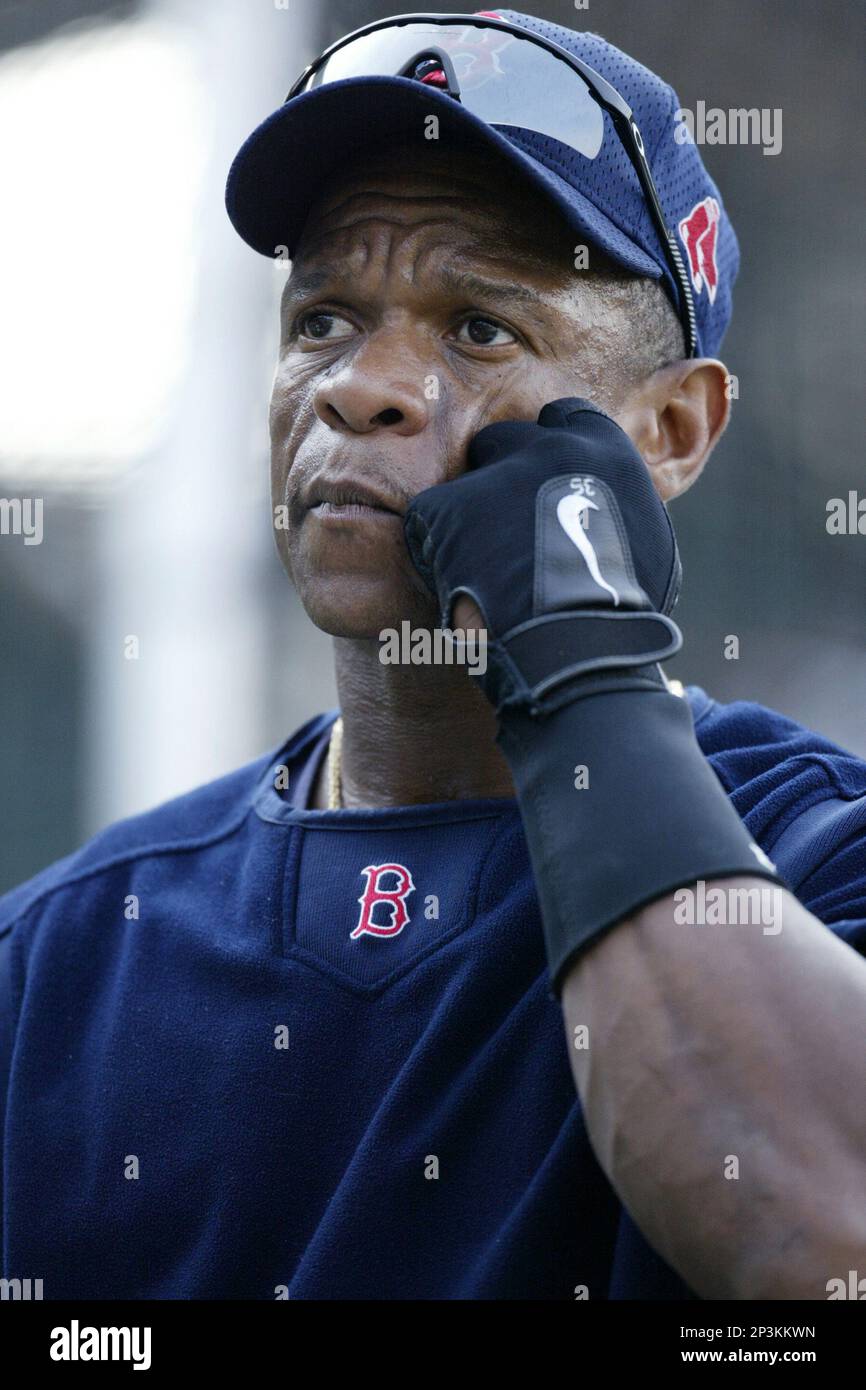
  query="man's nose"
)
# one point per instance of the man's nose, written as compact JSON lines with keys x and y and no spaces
{"x":382,"y":387}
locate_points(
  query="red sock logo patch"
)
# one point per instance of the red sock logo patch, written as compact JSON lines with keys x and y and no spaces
{"x":394,"y":898}
{"x":699,"y":232}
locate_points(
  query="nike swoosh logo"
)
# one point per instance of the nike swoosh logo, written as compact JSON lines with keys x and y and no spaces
{"x":569,"y":513}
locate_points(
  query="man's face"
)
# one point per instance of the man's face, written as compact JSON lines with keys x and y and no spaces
{"x":425,"y":302}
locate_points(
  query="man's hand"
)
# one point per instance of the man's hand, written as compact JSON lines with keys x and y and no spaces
{"x":556,"y":533}
{"x":558,"y":539}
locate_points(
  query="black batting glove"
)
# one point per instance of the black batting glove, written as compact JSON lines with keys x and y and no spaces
{"x":578,"y":620}
{"x":558,"y":534}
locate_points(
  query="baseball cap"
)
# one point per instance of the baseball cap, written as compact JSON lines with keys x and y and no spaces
{"x":282,"y":167}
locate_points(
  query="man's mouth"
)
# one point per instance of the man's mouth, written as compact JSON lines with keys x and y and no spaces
{"x":350,"y":511}
{"x":350,"y":501}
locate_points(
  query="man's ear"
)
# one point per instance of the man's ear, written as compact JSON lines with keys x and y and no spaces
{"x":674,"y":418}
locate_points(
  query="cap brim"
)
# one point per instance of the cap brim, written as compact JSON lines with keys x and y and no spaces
{"x":281,"y":169}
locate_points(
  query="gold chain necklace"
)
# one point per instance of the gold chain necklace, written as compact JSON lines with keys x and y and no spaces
{"x":335,"y":767}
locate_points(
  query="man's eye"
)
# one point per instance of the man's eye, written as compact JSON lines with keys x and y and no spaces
{"x":320,"y":324}
{"x":484,"y":333}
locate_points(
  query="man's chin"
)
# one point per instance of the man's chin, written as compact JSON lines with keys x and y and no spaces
{"x":351,"y":608}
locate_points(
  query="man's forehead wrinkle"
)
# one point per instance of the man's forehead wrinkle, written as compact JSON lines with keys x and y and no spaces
{"x":325,"y":236}
{"x":503,"y":219}
{"x":356,"y":205}
{"x":484,"y":237}
{"x":382,"y":246}
{"x":481,"y":259}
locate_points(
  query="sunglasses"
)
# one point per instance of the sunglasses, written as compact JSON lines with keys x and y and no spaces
{"x":506,"y":76}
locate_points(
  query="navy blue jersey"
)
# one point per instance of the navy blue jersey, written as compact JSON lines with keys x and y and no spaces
{"x":253,"y":1050}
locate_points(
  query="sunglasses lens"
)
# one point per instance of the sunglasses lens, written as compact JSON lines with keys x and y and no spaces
{"x":505,"y":80}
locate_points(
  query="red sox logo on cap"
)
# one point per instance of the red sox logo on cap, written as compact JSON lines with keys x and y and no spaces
{"x":699,"y":232}
{"x":395,"y":898}
{"x":477,"y":60}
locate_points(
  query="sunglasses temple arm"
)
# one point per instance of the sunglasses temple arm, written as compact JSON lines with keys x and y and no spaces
{"x":633,"y":142}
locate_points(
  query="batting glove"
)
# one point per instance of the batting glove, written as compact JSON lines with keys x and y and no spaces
{"x":559,"y":536}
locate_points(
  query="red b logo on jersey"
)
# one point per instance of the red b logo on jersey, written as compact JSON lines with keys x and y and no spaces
{"x":699,"y":232}
{"x":395,"y":898}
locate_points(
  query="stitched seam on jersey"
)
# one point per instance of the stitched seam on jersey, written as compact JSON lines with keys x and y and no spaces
{"x":131,"y":857}
{"x":182,"y":846}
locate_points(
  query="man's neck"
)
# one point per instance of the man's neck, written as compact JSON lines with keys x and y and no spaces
{"x":412,"y":734}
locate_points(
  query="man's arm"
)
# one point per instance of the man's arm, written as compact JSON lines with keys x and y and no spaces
{"x":712,"y":1077}
{"x":724,"y":1089}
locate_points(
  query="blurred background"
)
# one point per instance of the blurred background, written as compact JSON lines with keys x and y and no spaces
{"x":137,"y":343}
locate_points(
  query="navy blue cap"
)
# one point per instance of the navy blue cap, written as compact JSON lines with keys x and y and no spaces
{"x":281,"y":168}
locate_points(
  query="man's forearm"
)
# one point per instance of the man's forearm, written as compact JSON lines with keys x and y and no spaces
{"x":722,"y":1080}
{"x":722,"y":1076}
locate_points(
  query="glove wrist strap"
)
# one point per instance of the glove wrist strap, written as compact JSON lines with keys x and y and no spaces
{"x":648,"y":815}
{"x":538,"y":657}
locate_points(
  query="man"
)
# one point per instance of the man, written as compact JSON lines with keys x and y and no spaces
{"x":300,"y":1033}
